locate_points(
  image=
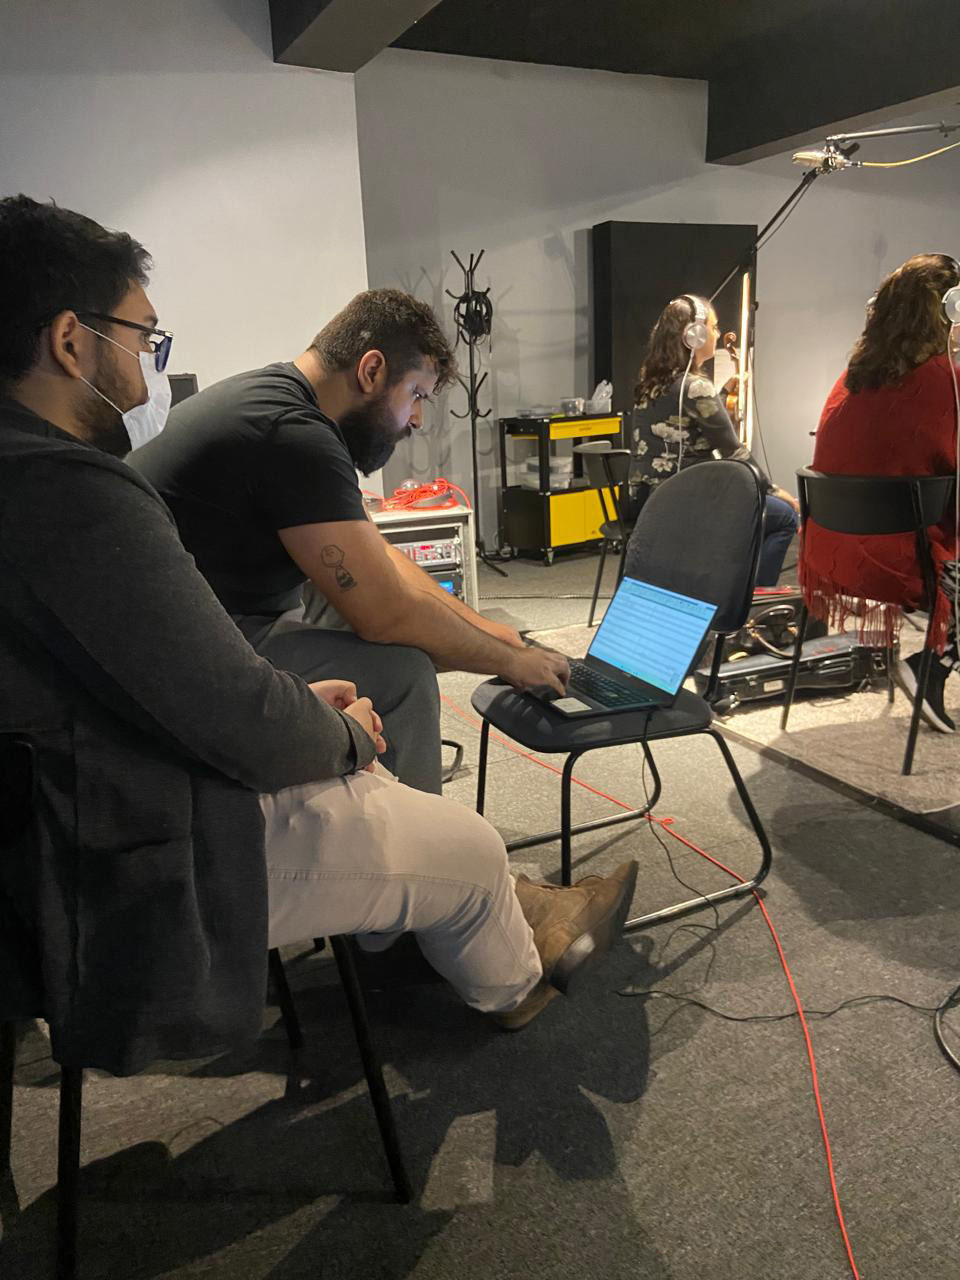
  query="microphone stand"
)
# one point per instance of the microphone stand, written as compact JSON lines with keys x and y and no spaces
{"x":839,"y":146}
{"x":842,"y":145}
{"x":747,"y":259}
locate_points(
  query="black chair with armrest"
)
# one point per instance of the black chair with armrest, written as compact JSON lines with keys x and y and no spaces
{"x":21,"y":999}
{"x":864,"y":505}
{"x":607,"y":470}
{"x":698,"y":534}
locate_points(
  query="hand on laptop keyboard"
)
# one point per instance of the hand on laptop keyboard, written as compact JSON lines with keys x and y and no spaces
{"x":533,"y":667}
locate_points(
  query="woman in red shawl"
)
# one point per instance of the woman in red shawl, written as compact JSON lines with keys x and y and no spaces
{"x":893,"y":413}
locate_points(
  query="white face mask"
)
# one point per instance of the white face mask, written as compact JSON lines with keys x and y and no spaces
{"x":144,"y":421}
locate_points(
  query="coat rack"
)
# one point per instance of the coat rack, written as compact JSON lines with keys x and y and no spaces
{"x":473,"y":316}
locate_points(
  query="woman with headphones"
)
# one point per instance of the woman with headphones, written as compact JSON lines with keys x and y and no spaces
{"x":894,"y":412}
{"x":679,"y":420}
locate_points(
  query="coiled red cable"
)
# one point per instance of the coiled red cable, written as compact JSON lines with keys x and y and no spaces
{"x":402,"y":498}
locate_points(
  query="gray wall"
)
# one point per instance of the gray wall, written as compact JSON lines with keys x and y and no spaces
{"x":171,"y":122}
{"x":460,"y":153}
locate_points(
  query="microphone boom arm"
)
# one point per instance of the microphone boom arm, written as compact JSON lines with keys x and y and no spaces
{"x":902,"y":131}
{"x":747,"y":256}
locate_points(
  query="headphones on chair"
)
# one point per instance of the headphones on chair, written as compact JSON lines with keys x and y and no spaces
{"x":696,"y":334}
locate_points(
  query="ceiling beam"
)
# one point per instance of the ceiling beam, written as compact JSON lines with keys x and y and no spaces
{"x":860,"y":59}
{"x":339,"y":35}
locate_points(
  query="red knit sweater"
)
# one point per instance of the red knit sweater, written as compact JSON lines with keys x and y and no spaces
{"x":910,"y":429}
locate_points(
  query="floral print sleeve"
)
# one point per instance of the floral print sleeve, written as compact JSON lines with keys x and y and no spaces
{"x":703,"y":424}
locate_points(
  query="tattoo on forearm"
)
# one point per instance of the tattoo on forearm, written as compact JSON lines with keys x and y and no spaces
{"x":331,"y":557}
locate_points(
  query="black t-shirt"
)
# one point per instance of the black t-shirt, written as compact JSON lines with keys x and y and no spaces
{"x":240,"y":460}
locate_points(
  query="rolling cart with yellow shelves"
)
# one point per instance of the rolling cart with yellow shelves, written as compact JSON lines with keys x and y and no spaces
{"x":546,"y":519}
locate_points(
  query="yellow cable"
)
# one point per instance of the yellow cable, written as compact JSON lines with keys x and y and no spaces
{"x":896,"y":164}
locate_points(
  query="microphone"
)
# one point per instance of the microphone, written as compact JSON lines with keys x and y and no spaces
{"x":825,"y":160}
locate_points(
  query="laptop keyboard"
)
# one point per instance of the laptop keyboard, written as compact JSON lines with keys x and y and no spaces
{"x":601,"y":688}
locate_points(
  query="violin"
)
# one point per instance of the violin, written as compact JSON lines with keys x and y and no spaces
{"x":732,"y":386}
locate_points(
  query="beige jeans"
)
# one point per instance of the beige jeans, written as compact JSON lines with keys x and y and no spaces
{"x":367,"y":855}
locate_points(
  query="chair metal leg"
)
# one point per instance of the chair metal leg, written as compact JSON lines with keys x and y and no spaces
{"x":8,"y":1053}
{"x":288,"y":1010}
{"x":714,"y":679}
{"x":740,"y":888}
{"x":68,"y":1170}
{"x":566,"y":870}
{"x":451,"y":771}
{"x":794,"y":668}
{"x":482,"y":766}
{"x":596,"y":585}
{"x":565,"y":830}
{"x":621,"y":567}
{"x":891,"y":683}
{"x":343,"y":950}
{"x":922,"y":680}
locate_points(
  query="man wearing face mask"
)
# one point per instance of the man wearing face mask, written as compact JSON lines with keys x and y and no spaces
{"x":260,"y":473}
{"x":189,"y":801}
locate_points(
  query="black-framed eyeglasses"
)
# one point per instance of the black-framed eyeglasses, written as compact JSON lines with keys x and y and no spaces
{"x":161,"y":340}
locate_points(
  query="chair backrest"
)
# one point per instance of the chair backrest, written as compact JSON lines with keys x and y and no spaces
{"x":603,"y":465}
{"x":874,"y":504}
{"x":606,"y":469}
{"x":700,"y":533}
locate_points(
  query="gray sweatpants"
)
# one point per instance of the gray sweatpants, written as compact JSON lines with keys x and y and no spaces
{"x":366,"y":855}
{"x":401,"y":682}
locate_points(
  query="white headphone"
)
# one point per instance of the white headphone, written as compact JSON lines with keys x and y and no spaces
{"x":951,"y":299}
{"x":696,"y":334}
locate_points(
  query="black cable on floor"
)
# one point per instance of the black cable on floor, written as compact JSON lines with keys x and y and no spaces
{"x":951,"y":1002}
{"x":653,"y":826}
{"x":657,"y":993}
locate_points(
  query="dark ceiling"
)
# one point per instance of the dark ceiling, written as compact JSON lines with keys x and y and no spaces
{"x":781,"y":73}
{"x":689,"y":38}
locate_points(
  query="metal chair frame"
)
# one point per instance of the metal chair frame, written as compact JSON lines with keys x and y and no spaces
{"x":698,"y":720}
{"x":607,"y":470}
{"x":568,"y":829}
{"x":71,"y":1100}
{"x":909,"y":504}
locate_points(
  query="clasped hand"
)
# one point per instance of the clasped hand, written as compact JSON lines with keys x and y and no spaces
{"x":342,"y":694}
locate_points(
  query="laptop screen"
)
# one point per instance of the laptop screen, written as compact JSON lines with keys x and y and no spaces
{"x":652,"y":634}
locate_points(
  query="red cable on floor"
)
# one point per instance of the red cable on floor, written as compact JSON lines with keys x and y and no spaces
{"x":665,"y":824}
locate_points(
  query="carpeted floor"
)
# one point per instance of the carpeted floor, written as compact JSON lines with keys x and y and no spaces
{"x":616,"y":1137}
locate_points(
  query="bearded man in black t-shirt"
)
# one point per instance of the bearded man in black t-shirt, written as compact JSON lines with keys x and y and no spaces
{"x":260,"y":472}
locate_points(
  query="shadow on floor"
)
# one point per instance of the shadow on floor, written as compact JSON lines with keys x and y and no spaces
{"x":499,"y":1131}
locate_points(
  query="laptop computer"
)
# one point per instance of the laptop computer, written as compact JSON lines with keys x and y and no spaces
{"x":642,"y":653}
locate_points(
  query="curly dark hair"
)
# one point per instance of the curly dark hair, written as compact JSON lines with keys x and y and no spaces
{"x":388,"y":320}
{"x":906,"y":324}
{"x":666,"y":355}
{"x":54,"y":260}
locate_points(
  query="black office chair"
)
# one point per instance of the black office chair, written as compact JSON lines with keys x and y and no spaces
{"x":16,"y":789}
{"x":699,"y":534}
{"x":607,"y":470}
{"x":861,"y":505}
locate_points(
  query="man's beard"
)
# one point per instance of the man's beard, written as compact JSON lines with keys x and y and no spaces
{"x":371,"y":435}
{"x":102,"y":424}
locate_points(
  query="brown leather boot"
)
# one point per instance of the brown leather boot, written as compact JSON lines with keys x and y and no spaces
{"x":571,"y":926}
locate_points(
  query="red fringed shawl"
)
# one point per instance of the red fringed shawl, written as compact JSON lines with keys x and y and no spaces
{"x":909,"y":429}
